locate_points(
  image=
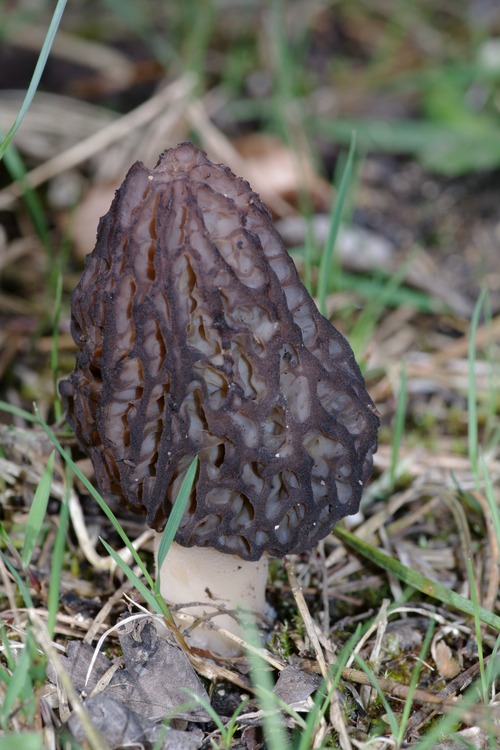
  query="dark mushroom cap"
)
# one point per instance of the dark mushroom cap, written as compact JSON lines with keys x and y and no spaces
{"x":196,"y":336}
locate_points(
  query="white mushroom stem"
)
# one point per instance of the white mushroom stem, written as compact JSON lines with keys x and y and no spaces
{"x":214,"y":581}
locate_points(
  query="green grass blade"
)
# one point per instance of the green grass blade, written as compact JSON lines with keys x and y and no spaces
{"x":399,"y":424}
{"x":408,"y":706}
{"x":8,"y":654}
{"x":415,"y":579}
{"x":309,"y":245}
{"x":58,"y":559}
{"x":22,"y":741}
{"x":391,"y":716}
{"x":443,"y":148}
{"x":442,"y":728}
{"x":381,"y":290}
{"x":492,"y":401}
{"x":201,"y":701}
{"x":326,"y":258}
{"x":149,"y":592}
{"x":274,"y":733}
{"x":472,"y":392}
{"x":19,"y":581}
{"x":232,"y":725}
{"x":145,"y":592}
{"x":17,"y":686}
{"x":54,"y":355}
{"x":37,"y":511}
{"x":477,"y":628}
{"x":37,"y":74}
{"x":389,"y":287}
{"x":15,"y":167}
{"x":493,"y":665}
{"x":17,"y":412}
{"x":314,"y":716}
{"x":96,"y":495}
{"x":176,"y":514}
{"x":489,"y":491}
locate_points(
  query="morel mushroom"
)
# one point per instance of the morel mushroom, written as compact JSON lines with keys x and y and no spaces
{"x":196,"y":337}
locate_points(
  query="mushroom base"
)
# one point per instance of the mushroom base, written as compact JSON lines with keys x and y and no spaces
{"x":207,"y":581}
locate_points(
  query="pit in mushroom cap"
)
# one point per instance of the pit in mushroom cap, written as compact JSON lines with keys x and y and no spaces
{"x":196,"y":336}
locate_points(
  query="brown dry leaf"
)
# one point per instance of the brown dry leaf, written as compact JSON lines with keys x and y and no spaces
{"x":157,"y":674}
{"x":446,"y":664}
{"x":295,"y":685}
{"x":121,"y":727}
{"x":472,"y":737}
{"x":93,"y":205}
{"x":271,"y":167}
{"x":127,"y":706}
{"x":76,"y":663}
